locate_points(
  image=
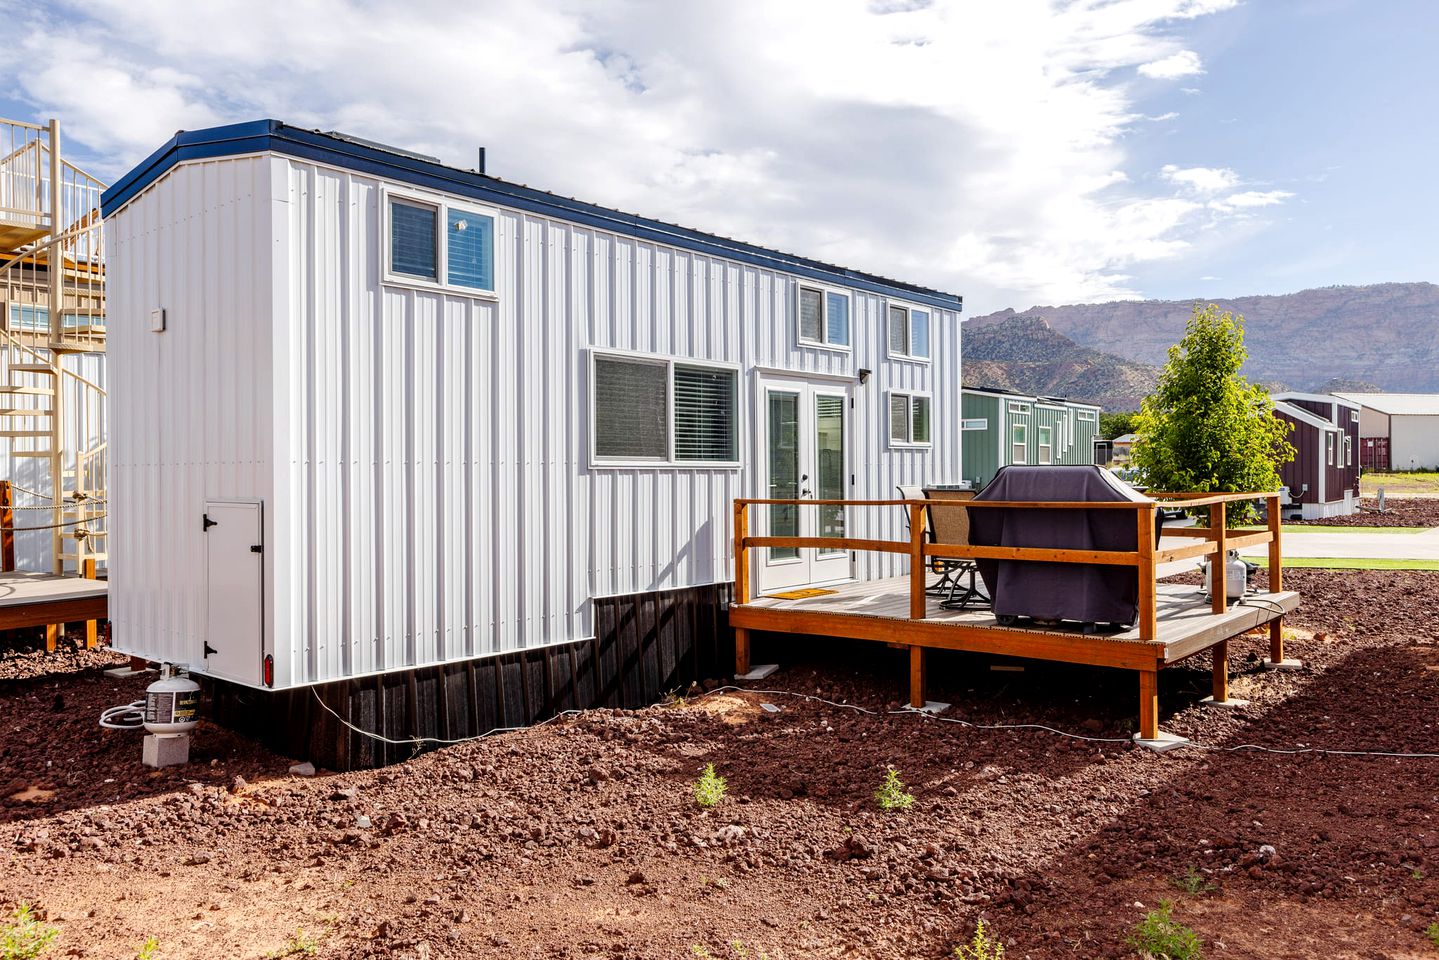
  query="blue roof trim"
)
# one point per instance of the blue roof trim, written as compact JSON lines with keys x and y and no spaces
{"x":271,"y":135}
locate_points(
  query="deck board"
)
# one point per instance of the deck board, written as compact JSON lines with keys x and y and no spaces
{"x":1186,"y":624}
{"x":29,"y":599}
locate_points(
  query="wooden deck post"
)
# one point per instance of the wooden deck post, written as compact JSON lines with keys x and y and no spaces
{"x":917,"y":602}
{"x":741,"y":584}
{"x":53,"y":633}
{"x":7,"y":527}
{"x":1218,"y":570}
{"x":92,"y":627}
{"x":1220,"y":652}
{"x":1148,"y":606}
{"x":1276,"y":580}
{"x":1149,"y":704}
{"x":916,"y":677}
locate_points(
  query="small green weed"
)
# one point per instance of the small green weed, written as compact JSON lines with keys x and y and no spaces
{"x":701,"y":951}
{"x":24,"y":936}
{"x":709,"y":788}
{"x":1192,"y":881}
{"x":981,"y":947}
{"x":1160,"y":937}
{"x":301,"y":944}
{"x":148,"y":949}
{"x":1433,"y":934}
{"x":891,"y":795}
{"x":1416,"y":874}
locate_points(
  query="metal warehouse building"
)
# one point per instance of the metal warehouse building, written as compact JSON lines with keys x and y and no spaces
{"x":1397,"y":431}
{"x":1002,"y":428}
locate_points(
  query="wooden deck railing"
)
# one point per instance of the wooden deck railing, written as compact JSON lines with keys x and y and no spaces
{"x":1215,"y":541}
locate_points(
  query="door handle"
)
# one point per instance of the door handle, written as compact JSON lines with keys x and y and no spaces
{"x":805,"y":493}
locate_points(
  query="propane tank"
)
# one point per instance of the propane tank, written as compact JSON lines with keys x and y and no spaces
{"x":171,"y":704}
{"x":1236,"y":576}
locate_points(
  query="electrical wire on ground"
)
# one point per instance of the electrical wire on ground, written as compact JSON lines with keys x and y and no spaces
{"x":1236,"y":748}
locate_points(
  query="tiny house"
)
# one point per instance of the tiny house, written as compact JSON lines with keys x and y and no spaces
{"x":1002,"y":428}
{"x":382,"y":422}
{"x":1323,"y":477}
{"x":1397,"y":431}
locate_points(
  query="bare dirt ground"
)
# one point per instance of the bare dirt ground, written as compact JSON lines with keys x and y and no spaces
{"x":581,"y":838}
{"x":1410,"y":512}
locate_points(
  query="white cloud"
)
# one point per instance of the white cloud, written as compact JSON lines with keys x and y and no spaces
{"x":1249,"y":199}
{"x":1200,"y":179}
{"x":979,"y":148}
{"x":1184,"y":63}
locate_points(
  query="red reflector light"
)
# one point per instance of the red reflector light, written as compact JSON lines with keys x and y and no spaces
{"x":269,"y":670}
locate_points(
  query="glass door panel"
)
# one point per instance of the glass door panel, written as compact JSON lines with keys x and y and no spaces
{"x":830,"y":464}
{"x":783,"y":438}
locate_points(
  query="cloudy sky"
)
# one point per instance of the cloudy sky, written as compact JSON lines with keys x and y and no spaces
{"x":1018,"y":152}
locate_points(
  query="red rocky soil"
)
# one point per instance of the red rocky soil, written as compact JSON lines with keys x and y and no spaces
{"x":580,"y":839}
{"x":1412,"y":512}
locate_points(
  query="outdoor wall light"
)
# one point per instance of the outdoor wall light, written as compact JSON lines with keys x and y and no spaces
{"x":864,"y":375}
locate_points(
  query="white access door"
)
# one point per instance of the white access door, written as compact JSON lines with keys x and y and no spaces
{"x":234,"y":592}
{"x":804,"y":435}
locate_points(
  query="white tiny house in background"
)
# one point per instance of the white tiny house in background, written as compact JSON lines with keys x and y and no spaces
{"x":454,"y":413}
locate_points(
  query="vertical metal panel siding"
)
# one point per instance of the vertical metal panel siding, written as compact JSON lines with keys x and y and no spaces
{"x":190,"y":406}
{"x":433,"y":498}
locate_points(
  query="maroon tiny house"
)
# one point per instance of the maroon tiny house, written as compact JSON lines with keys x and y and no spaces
{"x":1323,"y":477}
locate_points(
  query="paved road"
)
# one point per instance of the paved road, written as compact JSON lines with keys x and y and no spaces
{"x":1397,"y":546}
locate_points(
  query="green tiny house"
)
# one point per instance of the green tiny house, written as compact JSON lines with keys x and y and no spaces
{"x":1002,"y":428}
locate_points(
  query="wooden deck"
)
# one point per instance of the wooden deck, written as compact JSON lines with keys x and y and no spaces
{"x":45,"y":600}
{"x":879,"y":610}
{"x":1173,"y":621}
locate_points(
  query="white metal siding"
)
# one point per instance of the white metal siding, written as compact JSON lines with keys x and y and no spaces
{"x":432,"y":496}
{"x":190,"y":407}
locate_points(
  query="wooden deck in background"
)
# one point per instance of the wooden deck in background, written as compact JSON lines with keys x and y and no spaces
{"x":44,"y":600}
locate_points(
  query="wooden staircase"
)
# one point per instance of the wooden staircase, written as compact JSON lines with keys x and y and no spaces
{"x":52,"y":307}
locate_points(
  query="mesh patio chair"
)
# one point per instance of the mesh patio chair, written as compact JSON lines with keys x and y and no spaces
{"x":950,"y":525}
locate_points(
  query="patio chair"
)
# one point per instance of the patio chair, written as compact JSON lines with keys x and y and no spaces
{"x":945,"y":585}
{"x":950,"y":525}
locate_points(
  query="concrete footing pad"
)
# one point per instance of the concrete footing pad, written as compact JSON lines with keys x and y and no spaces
{"x":124,"y":672}
{"x":1230,"y":704}
{"x":1284,"y":665}
{"x":1161,"y":744}
{"x":165,"y":751}
{"x":930,"y":706}
{"x":758,"y":671}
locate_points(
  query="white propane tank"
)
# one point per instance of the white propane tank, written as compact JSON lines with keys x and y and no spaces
{"x":171,"y":704}
{"x":1236,"y":576}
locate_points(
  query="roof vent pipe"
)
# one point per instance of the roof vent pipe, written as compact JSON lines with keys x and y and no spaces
{"x":481,"y":161}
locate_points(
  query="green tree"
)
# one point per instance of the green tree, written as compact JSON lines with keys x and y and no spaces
{"x":1113,"y":425}
{"x":1207,"y":428}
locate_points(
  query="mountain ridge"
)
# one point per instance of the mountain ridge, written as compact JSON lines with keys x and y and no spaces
{"x":1386,"y":334}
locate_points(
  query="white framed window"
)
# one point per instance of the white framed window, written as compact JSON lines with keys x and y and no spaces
{"x":1086,"y":416}
{"x":1353,"y":416}
{"x":909,"y":421}
{"x":648,"y":410}
{"x":823,"y":316}
{"x":1046,"y":444}
{"x":430,"y":243}
{"x":976,"y":423}
{"x":1349,"y":451}
{"x":1329,"y":448}
{"x":908,"y":332}
{"x":1018,"y":445}
{"x":1019,"y":409}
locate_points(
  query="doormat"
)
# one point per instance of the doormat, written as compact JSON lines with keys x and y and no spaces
{"x":803,"y":594}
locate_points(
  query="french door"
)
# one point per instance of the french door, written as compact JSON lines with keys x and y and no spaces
{"x":805,"y":456}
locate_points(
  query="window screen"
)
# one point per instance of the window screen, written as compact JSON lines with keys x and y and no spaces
{"x":898,"y":418}
{"x":919,"y":333}
{"x":1018,"y":448}
{"x":898,"y":330}
{"x":470,"y":253}
{"x":704,"y":414}
{"x":631,"y":403}
{"x":413,"y":240}
{"x":837,"y":318}
{"x":920,"y":418}
{"x":811,"y":320}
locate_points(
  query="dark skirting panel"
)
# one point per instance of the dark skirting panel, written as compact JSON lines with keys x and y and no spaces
{"x":646,"y":646}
